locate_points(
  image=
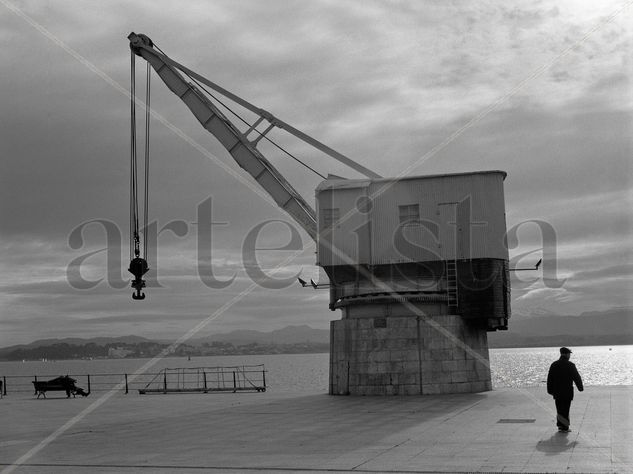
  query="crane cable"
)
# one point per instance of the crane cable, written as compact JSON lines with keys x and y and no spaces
{"x":238,"y":116}
{"x":244,"y":121}
{"x":138,"y":265}
{"x":134,"y":240}
{"x":147,"y":117}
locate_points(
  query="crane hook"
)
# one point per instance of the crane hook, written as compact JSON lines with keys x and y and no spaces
{"x":138,"y":265}
{"x":138,"y":268}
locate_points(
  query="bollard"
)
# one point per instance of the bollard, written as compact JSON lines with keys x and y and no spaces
{"x":204,"y":378}
{"x":165,"y":381}
{"x":126,"y":387}
{"x":4,"y":379}
{"x":234,"y":383}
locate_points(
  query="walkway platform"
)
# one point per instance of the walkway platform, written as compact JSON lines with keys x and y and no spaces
{"x":510,"y":430}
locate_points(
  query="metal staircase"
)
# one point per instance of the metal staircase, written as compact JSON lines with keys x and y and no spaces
{"x":451,"y":285}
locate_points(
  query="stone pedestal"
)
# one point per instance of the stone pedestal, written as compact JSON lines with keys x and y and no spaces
{"x":408,"y":355}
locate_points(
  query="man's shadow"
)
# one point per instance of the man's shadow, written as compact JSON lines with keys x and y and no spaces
{"x":556,"y":444}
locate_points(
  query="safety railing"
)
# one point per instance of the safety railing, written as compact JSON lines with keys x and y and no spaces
{"x":208,"y":379}
{"x":199,"y":379}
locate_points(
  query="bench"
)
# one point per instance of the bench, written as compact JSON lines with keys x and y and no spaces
{"x":59,"y":384}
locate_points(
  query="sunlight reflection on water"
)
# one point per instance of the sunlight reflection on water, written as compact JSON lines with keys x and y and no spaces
{"x":597,"y":365}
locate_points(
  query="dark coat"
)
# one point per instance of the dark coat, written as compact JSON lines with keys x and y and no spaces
{"x":561,"y":378}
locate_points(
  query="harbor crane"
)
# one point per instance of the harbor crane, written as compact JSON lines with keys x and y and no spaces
{"x":418,"y":265}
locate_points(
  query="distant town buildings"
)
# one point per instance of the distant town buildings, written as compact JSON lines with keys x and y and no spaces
{"x":119,"y":352}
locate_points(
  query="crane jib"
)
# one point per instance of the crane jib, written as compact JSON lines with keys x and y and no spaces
{"x":139,"y":42}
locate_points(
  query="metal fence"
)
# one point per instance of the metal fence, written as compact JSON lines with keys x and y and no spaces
{"x":198,"y":379}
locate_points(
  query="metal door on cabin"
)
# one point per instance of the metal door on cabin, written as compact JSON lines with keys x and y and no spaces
{"x":448,"y":238}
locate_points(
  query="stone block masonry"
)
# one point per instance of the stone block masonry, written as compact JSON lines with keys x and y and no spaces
{"x":408,"y":355}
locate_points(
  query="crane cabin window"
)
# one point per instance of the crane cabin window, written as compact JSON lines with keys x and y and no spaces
{"x":330,"y":217}
{"x":409,"y":214}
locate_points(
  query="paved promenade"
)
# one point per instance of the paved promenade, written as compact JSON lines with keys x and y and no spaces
{"x":500,"y":431}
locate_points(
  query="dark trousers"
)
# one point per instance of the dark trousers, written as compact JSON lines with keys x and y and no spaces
{"x":562,"y":412}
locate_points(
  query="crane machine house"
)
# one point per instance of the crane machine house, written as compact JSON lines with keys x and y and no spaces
{"x":419,"y":268}
{"x":418,"y":265}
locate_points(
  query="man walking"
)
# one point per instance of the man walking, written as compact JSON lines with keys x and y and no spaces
{"x":561,"y":378}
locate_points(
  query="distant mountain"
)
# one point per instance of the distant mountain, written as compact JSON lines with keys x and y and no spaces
{"x":305,"y":336}
{"x":289,"y":340}
{"x":76,"y":341}
{"x":590,"y":328}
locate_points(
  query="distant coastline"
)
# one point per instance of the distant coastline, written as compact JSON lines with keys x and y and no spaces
{"x":64,"y":351}
{"x":518,"y":342}
{"x":90,"y":350}
{"x":614,"y":327}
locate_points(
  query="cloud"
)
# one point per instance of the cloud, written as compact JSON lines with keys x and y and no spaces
{"x":382,"y":82}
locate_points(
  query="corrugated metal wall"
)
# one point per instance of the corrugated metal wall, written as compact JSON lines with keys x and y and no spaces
{"x":461,"y":216}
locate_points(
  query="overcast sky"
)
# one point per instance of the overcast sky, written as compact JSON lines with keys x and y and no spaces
{"x":539,"y":89}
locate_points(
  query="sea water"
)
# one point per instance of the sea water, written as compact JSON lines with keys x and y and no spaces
{"x":597,"y":365}
{"x":519,"y":367}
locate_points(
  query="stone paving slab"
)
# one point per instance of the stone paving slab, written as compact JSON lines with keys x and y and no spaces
{"x":308,"y":432}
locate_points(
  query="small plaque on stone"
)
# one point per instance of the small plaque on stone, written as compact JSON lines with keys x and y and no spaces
{"x":380,"y":322}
